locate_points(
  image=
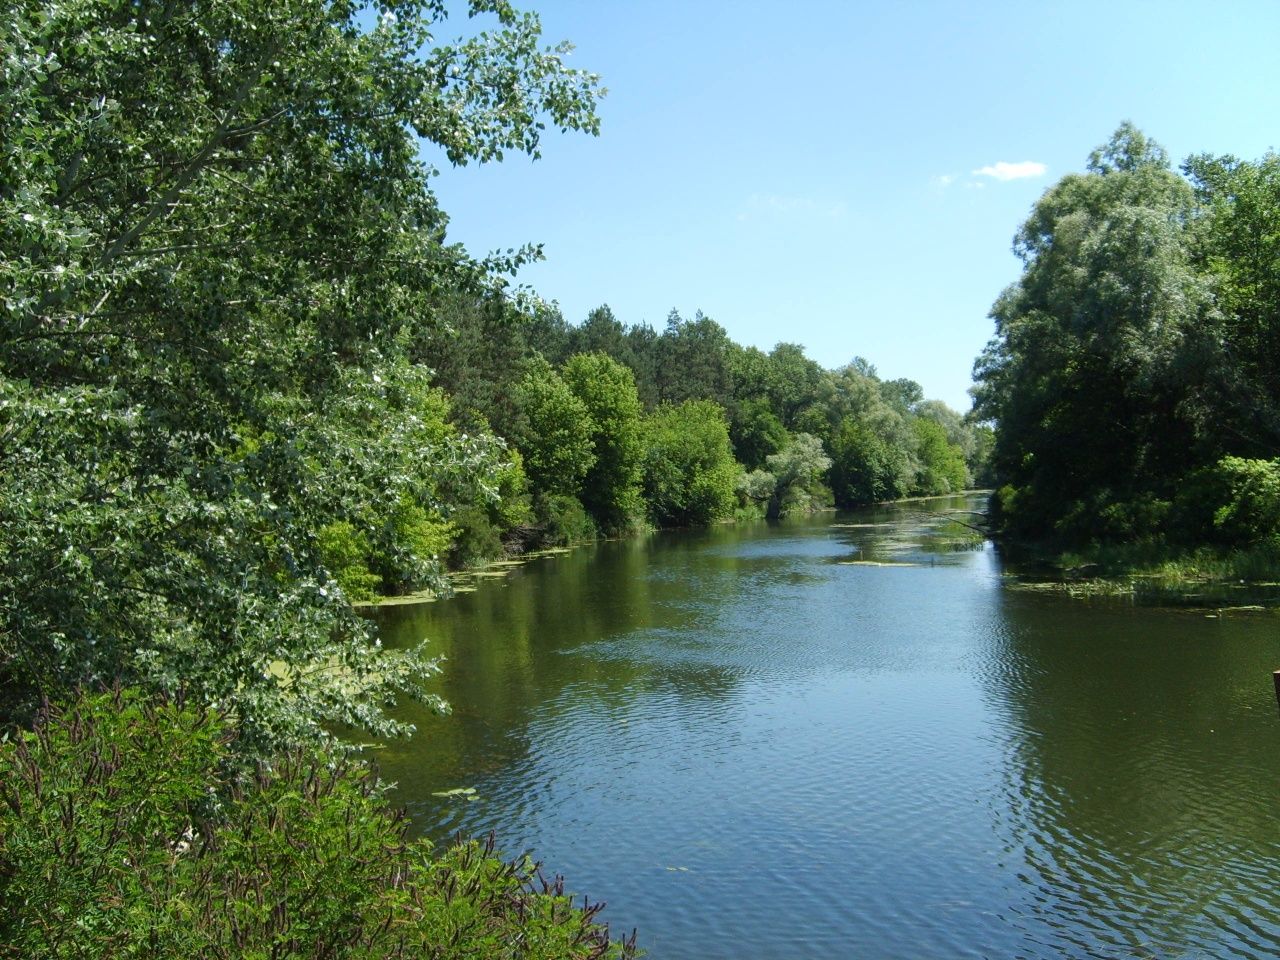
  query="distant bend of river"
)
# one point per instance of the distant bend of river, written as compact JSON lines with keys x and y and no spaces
{"x":845,"y":737}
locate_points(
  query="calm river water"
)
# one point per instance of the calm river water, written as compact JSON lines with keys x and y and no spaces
{"x":755,"y":749}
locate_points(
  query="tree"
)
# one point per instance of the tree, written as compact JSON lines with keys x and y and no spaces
{"x":756,"y":432}
{"x":1086,"y":375}
{"x":611,"y":489}
{"x":794,"y":383}
{"x":902,"y":394}
{"x":863,"y":470}
{"x":874,"y":447}
{"x":645,"y":360}
{"x":602,"y":332}
{"x":942,"y":468}
{"x":693,"y":361}
{"x":795,"y":469}
{"x":689,"y":471}
{"x":557,"y":435}
{"x":211,"y":213}
{"x":399,"y":475}
{"x":1239,"y":249}
{"x":471,"y":343}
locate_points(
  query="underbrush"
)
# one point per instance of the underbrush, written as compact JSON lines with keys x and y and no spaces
{"x":129,"y":829}
{"x":1154,"y":560}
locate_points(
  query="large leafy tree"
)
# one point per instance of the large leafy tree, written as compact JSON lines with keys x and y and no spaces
{"x":865,"y":467}
{"x":942,"y":468}
{"x":1087,"y":374}
{"x":607,"y":389}
{"x":795,"y":470}
{"x":796,"y":385}
{"x":689,"y":470}
{"x":1239,"y":249}
{"x":557,"y":432}
{"x":209,"y":213}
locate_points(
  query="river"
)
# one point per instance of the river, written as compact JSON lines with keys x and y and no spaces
{"x":847,"y":737}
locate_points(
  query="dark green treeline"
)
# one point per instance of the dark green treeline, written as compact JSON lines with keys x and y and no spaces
{"x":1135,"y":373}
{"x":684,"y":426}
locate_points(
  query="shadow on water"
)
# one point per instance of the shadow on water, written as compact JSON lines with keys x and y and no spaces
{"x":522,"y":650}
{"x":1141,"y":777}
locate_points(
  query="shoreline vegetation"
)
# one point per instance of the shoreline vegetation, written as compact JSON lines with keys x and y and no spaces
{"x":467,"y":579}
{"x":248,"y":382}
{"x":1134,"y":378}
{"x":1226,"y":579}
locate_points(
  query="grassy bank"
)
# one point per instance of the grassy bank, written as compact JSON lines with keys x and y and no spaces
{"x":1209,"y":574}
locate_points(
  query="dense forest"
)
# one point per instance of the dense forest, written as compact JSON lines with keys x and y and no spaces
{"x":621,"y":426}
{"x":246,"y":380}
{"x":1135,"y":373}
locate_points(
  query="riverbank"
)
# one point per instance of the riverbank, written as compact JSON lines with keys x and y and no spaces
{"x":1203,"y":575}
{"x":467,"y":579}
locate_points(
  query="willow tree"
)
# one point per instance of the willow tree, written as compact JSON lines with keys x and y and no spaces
{"x":1087,"y":374}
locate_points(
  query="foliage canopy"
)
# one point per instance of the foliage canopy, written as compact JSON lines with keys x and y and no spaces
{"x":219,"y":242}
{"x":1133,"y":360}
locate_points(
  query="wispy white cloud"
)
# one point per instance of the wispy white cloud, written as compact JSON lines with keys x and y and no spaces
{"x":1003,"y":170}
{"x":942,"y":181}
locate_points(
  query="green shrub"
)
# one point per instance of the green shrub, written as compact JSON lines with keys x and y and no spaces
{"x":478,"y":528}
{"x":125,"y":832}
{"x":476,"y":539}
{"x":564,"y":520}
{"x":344,"y":551}
{"x":1234,"y":502}
{"x":419,"y":530}
{"x":1249,"y":510}
{"x":513,"y":506}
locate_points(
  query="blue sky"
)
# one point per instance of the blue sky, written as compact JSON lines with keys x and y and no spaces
{"x":814,"y":172}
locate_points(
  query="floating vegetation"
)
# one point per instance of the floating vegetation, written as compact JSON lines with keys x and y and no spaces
{"x":423,"y":596}
{"x":465,"y":581}
{"x":878,"y":563}
{"x":465,"y":793}
{"x":949,"y":535}
{"x":1226,"y":598}
{"x":1073,"y":588}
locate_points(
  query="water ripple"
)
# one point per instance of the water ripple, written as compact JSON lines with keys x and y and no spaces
{"x":756,"y":752}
